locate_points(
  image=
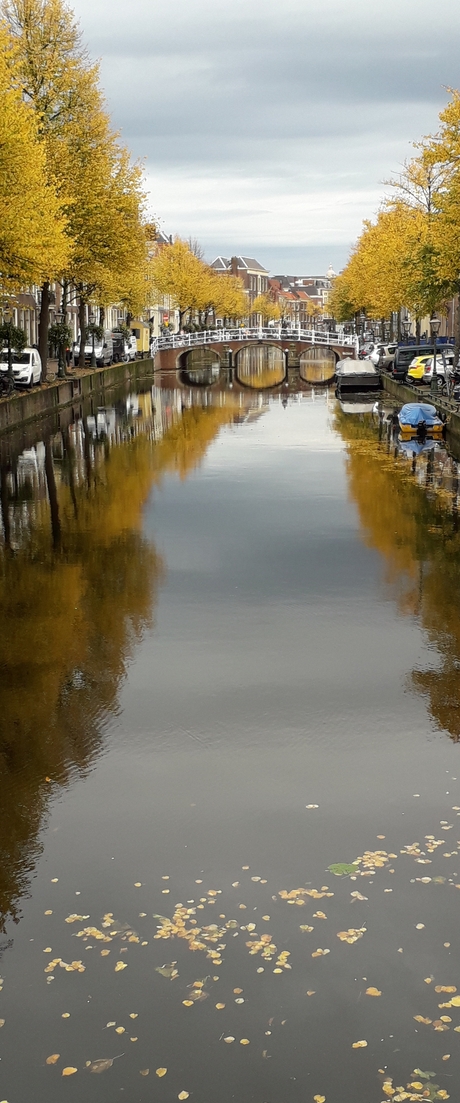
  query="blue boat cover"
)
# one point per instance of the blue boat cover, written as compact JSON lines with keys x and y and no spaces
{"x":413,"y":413}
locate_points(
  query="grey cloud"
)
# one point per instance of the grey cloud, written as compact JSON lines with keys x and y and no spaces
{"x":287,"y":97}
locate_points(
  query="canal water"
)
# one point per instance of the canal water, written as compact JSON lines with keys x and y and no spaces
{"x":229,"y":760}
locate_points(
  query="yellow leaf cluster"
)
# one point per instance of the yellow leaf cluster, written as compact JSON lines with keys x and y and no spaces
{"x":33,"y":240}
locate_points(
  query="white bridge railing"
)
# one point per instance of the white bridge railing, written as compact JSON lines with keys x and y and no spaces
{"x":253,"y":333}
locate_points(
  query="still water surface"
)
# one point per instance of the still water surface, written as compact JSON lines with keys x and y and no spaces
{"x":230,"y":650}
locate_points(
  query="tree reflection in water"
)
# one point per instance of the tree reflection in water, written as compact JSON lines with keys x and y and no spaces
{"x":78,"y":586}
{"x":409,"y":512}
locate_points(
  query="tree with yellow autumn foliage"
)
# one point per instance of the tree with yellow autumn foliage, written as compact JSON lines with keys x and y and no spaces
{"x":265,"y":306}
{"x":100,"y":190}
{"x":194,"y":287}
{"x":32,"y":227}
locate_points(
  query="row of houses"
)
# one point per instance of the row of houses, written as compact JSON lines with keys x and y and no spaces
{"x":300,"y":298}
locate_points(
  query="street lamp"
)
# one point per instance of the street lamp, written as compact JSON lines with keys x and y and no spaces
{"x":434,"y":329}
{"x":406,"y":327}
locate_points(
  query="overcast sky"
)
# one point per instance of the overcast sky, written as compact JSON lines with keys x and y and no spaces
{"x":268,"y":126}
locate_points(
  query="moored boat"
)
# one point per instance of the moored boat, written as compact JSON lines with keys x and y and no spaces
{"x":357,"y":375}
{"x":420,"y":418}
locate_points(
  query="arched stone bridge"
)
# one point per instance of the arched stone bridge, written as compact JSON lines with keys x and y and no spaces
{"x":257,"y":358}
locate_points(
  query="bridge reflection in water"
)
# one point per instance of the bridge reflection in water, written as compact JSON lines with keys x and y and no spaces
{"x":201,"y":368}
{"x":317,"y":365}
{"x":260,"y":366}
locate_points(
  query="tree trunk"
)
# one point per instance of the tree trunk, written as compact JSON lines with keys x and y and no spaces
{"x":418,"y":326}
{"x":102,"y":316}
{"x":82,"y":323}
{"x":43,"y":326}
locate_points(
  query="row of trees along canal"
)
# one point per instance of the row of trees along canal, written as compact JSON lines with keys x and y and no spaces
{"x":409,"y":257}
{"x":73,"y":206}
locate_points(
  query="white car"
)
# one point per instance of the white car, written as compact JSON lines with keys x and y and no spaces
{"x":382,"y":356}
{"x":131,"y":348}
{"x":440,"y":368}
{"x":27,"y":366}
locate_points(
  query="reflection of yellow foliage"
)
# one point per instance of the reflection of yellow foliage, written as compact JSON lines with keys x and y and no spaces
{"x":418,"y":538}
{"x":69,"y":621}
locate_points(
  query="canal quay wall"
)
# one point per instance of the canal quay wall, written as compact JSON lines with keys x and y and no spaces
{"x":404,"y":393}
{"x":19,"y":409}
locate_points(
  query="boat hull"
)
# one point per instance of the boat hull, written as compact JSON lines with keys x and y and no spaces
{"x":409,"y":432}
{"x":359,"y":381}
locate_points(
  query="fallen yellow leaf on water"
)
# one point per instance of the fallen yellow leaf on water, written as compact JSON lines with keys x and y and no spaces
{"x":104,"y":953}
{"x":220,"y":1006}
{"x":133,"y":1039}
{"x":421,"y":1019}
{"x":319,"y":1098}
{"x":446,"y":1057}
{"x":183,"y":1095}
{"x":237,"y":991}
{"x":69,"y":1070}
{"x":229,"y":1039}
{"x":188,"y":1003}
{"x":359,"y":1045}
{"x":65,"y":1015}
{"x":47,"y":950}
{"x":52,"y":1060}
{"x":419,"y":926}
{"x":110,"y":1024}
{"x":144,"y":1072}
{"x":48,"y":912}
{"x":133,"y":1014}
{"x":54,"y":880}
{"x":138,"y":884}
{"x":311,"y":992}
{"x":373,"y":992}
{"x":2,"y":1022}
{"x":120,"y":965}
{"x":244,"y":1041}
{"x":445,"y":988}
{"x":417,"y":1085}
{"x":455,"y":1001}
{"x":161,"y":1072}
{"x":119,"y":1030}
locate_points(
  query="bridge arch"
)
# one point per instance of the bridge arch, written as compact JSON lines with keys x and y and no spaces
{"x":260,"y":366}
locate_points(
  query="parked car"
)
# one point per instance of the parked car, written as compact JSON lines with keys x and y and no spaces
{"x":442,"y":363}
{"x":132,"y":347}
{"x":103,"y":350}
{"x":27,"y":366}
{"x":405,"y":354}
{"x":416,"y":369}
{"x":382,"y":356}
